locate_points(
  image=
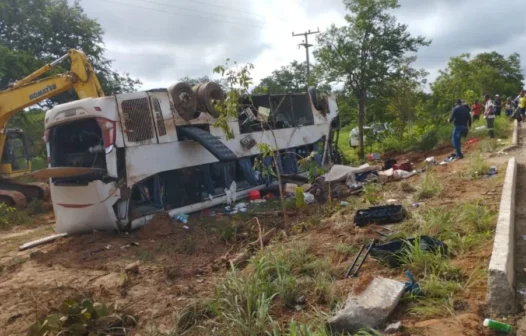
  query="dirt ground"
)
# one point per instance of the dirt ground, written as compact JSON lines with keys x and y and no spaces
{"x":179,"y":265}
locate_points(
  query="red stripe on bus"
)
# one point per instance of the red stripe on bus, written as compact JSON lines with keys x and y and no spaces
{"x":75,"y":206}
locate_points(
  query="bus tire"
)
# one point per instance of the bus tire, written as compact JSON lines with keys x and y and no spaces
{"x":207,"y":95}
{"x":184,"y":99}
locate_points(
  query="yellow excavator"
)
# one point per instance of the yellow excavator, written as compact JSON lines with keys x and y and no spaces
{"x":15,"y":157}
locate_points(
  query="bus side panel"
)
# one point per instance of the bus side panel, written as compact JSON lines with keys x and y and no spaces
{"x":145,"y":161}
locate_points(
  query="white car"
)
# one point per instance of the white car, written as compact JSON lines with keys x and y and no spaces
{"x":354,"y":136}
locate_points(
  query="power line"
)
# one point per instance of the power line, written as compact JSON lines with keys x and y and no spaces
{"x":182,"y":14}
{"x":225,"y":7}
{"x":192,"y":9}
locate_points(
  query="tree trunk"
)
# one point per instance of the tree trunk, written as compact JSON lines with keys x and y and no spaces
{"x":361,"y":121}
{"x":281,"y":195}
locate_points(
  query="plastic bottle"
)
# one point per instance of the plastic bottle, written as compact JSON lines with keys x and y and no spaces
{"x":497,"y":326}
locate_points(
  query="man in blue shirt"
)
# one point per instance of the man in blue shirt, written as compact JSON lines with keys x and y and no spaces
{"x":461,"y":118}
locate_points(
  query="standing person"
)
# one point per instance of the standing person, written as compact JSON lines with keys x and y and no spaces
{"x":498,"y":105}
{"x":509,"y":107}
{"x":461,"y":118}
{"x":489,"y":115}
{"x":476,"y":108}
{"x":522,"y":103}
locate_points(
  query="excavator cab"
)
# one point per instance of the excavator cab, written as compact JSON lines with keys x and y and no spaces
{"x":16,"y":158}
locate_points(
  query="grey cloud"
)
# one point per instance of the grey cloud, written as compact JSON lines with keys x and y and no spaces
{"x":186,"y":42}
{"x":465,"y":26}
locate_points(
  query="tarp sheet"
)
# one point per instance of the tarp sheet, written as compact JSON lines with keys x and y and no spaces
{"x":347,"y":174}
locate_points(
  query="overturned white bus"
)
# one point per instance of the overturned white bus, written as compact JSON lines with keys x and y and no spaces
{"x":116,"y":161}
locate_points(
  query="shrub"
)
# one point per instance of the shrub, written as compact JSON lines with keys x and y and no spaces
{"x":76,"y":318}
{"x":476,"y":217}
{"x":35,"y":207}
{"x":429,"y":187}
{"x":477,"y":166}
{"x":10,"y":217}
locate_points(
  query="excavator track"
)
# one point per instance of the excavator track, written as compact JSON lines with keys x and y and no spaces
{"x":13,"y":199}
{"x":19,"y":194}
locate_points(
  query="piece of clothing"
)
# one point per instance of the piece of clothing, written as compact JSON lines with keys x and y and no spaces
{"x":522,"y":102}
{"x":458,"y":131}
{"x":498,"y":107}
{"x":490,"y":110}
{"x":517,"y":100}
{"x":477,"y":109}
{"x":509,"y":108}
{"x":460,"y":116}
{"x":490,"y":124}
{"x":476,"y":117}
{"x":517,"y":115}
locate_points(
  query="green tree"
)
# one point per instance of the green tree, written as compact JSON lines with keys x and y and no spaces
{"x":194,"y":81}
{"x":36,"y":32}
{"x":405,"y":87}
{"x":364,"y":53}
{"x":32,"y":122}
{"x":471,"y":78}
{"x":290,"y":78}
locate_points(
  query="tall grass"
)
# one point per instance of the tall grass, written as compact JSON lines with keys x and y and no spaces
{"x":371,"y":193}
{"x":438,"y":299}
{"x":477,"y":166}
{"x":429,"y":187}
{"x":243,"y":301}
{"x":466,"y":227}
{"x":420,"y":261}
{"x":274,"y":278}
{"x":476,"y":217}
{"x":11,"y":217}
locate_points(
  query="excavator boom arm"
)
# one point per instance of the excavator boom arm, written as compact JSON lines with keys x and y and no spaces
{"x":29,"y":91}
{"x":15,"y":100}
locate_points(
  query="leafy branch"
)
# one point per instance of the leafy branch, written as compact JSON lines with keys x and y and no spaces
{"x":237,"y":80}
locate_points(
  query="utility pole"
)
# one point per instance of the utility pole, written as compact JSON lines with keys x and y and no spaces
{"x":305,"y":43}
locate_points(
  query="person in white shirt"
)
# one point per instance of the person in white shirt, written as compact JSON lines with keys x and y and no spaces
{"x":489,"y":115}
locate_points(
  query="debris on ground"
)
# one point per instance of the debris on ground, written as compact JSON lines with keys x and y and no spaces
{"x":391,"y":252}
{"x":472,"y":141}
{"x":393,"y":328}
{"x":492,"y":171}
{"x":431,"y":161}
{"x":183,"y":218}
{"x":347,"y":174}
{"x":449,"y":159}
{"x":370,"y":308}
{"x":132,"y":268}
{"x":392,"y":174}
{"x":355,"y":267}
{"x":379,"y":215}
{"x":497,"y":326}
{"x":308,"y":198}
{"x":41,"y":241}
{"x":290,"y":188}
{"x":411,"y":286}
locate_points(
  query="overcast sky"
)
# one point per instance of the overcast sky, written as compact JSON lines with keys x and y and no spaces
{"x":160,"y":41}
